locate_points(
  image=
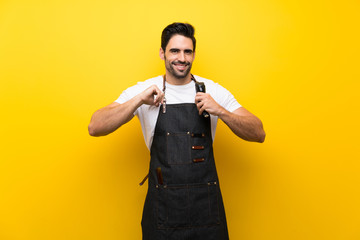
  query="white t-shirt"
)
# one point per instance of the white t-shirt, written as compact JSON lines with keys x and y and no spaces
{"x":175,"y":94}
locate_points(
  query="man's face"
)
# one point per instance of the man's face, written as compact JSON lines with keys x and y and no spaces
{"x":178,"y":56}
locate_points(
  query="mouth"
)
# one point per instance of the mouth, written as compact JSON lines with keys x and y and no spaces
{"x":180,"y":66}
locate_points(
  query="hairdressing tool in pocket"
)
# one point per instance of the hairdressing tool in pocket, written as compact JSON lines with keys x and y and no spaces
{"x":159,"y":176}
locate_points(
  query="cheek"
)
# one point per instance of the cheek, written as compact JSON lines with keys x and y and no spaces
{"x":190,"y":58}
{"x":170,"y":60}
{"x":170,"y":57}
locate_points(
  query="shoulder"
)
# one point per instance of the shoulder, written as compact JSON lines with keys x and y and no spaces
{"x":134,"y":90}
{"x":141,"y":86}
{"x":147,"y":83}
{"x":158,"y":80}
{"x":205,"y":80}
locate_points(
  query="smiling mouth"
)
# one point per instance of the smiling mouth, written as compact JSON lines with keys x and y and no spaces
{"x":180,"y":66}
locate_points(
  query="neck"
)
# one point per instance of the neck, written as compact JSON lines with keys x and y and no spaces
{"x":177,"y":81}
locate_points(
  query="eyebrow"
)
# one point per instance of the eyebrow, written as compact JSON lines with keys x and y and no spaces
{"x":177,"y":49}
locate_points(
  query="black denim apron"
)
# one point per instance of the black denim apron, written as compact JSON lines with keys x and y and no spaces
{"x":184,"y":200}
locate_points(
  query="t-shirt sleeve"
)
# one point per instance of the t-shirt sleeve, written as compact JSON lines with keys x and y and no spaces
{"x":128,"y":94}
{"x":226,"y":99}
{"x":132,"y":91}
{"x":124,"y":97}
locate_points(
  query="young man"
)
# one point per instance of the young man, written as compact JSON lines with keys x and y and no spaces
{"x":184,"y":199}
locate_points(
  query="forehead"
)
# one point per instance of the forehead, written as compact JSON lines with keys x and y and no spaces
{"x":180,"y":42}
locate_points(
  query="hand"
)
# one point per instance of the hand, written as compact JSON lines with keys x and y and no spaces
{"x":152,"y":96}
{"x":205,"y":102}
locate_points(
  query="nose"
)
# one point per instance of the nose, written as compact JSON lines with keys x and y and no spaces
{"x":181,"y":56}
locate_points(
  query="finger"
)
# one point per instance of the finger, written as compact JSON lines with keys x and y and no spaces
{"x":156,"y":91}
{"x":198,"y":106}
{"x":159,"y":98}
{"x":199,"y":96}
{"x":201,"y":110}
{"x":201,"y":107}
{"x":162,"y":98}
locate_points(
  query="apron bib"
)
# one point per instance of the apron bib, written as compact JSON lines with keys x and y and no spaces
{"x":184,"y":201}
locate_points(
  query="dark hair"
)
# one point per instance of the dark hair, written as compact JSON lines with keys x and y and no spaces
{"x":184,"y":29}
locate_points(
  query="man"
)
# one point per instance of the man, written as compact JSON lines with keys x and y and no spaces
{"x":183,"y":199}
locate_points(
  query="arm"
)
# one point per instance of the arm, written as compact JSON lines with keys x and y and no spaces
{"x":111,"y":117}
{"x":243,"y":123}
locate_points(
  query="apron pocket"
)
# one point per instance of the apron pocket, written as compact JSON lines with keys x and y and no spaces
{"x":184,"y":206}
{"x":178,"y":148}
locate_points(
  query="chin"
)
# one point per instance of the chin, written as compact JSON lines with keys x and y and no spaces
{"x":182,"y":74}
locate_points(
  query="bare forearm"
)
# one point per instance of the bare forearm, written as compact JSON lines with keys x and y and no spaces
{"x":247,"y":127}
{"x":108,"y":119}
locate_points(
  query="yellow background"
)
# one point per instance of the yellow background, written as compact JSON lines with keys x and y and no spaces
{"x":294,"y":64}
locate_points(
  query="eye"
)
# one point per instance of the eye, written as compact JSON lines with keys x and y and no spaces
{"x":188,"y":51}
{"x":174,"y":50}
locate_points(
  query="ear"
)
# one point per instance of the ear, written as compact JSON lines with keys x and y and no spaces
{"x":162,"y":54}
